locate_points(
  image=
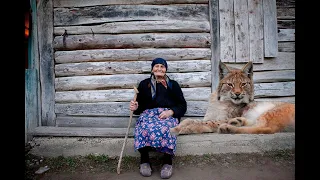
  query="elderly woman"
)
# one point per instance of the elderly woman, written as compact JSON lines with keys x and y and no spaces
{"x":160,"y":104}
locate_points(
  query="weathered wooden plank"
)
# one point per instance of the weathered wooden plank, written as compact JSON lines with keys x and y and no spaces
{"x":286,"y":3}
{"x":215,"y":42}
{"x":34,"y":56}
{"x":114,"y":13}
{"x":270,"y":28}
{"x":31,"y":100}
{"x":81,"y":132}
{"x":286,"y":13}
{"x":101,"y":122}
{"x":122,"y":95}
{"x":287,"y":46}
{"x":227,"y":44}
{"x":105,"y":68}
{"x":241,"y":30}
{"x":137,"y":27}
{"x":286,"y":35}
{"x":195,"y":108}
{"x":123,"y":81}
{"x":284,"y":61}
{"x":45,"y":31}
{"x":145,"y":40}
{"x":276,"y":89}
{"x":131,"y":54}
{"x":274,"y":76}
{"x":256,"y":30}
{"x":282,"y":99}
{"x":83,"y":3}
{"x":286,"y":24}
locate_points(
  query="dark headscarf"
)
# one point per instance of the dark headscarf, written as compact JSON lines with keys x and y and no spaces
{"x":153,"y":79}
{"x":159,"y":61}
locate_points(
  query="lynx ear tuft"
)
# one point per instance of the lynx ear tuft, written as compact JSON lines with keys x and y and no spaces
{"x":223,"y":70}
{"x":248,"y":69}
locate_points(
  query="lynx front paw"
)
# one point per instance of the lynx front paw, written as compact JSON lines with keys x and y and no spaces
{"x":226,"y":129}
{"x":238,"y":121}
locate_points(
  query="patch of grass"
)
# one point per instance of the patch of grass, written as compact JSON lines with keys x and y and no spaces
{"x":98,"y":158}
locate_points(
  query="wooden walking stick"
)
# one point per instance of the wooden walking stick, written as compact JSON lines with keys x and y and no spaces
{"x":126,"y":137}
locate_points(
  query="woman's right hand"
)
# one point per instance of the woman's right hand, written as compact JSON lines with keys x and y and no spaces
{"x":133,"y":105}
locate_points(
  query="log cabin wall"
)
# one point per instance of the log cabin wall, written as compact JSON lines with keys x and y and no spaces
{"x":104,"y":48}
{"x":101,"y":49}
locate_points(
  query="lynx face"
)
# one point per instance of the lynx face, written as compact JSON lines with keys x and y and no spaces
{"x":236,"y":85}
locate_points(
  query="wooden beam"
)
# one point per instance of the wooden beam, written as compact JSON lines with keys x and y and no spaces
{"x":256,"y":30}
{"x":195,"y":108}
{"x":178,"y":26}
{"x":83,"y":3}
{"x":270,"y":29}
{"x":45,"y":37}
{"x":122,"y":95}
{"x":136,"y":67}
{"x":117,"y":13}
{"x":215,"y":42}
{"x":226,"y":20}
{"x":284,"y":61}
{"x":241,"y":28}
{"x":132,"y":54}
{"x":125,"y":81}
{"x":123,"y":41}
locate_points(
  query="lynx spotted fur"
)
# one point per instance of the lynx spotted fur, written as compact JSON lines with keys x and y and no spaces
{"x":232,"y":108}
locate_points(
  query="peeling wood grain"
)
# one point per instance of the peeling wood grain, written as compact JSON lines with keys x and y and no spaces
{"x":45,"y":31}
{"x":122,"y":81}
{"x":131,"y":54}
{"x":287,"y":47}
{"x":274,"y":76}
{"x":270,"y":38}
{"x":215,"y":42}
{"x":136,"y":67}
{"x":121,"y":95}
{"x":284,"y":61}
{"x":83,"y":3}
{"x":241,"y":30}
{"x":276,"y":89}
{"x":285,"y":35}
{"x":286,"y":13}
{"x":286,"y":24}
{"x":281,"y":99}
{"x":137,"y":27}
{"x":227,"y":44}
{"x":256,"y":30}
{"x":115,"y":13}
{"x":286,"y":3}
{"x":145,"y":40}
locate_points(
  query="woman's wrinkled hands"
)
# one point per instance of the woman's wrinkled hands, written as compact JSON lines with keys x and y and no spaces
{"x":133,"y":105}
{"x":166,"y":114}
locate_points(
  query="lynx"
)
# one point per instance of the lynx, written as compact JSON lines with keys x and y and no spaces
{"x":232,"y":108}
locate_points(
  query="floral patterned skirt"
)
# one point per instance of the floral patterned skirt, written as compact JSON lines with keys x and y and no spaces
{"x":152,"y":131}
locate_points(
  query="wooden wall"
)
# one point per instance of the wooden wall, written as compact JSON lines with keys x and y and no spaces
{"x":275,"y":77}
{"x":104,"y":48}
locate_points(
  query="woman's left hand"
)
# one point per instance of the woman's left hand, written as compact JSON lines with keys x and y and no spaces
{"x":166,"y":114}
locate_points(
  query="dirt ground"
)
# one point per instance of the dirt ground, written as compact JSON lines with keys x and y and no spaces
{"x":276,"y":165}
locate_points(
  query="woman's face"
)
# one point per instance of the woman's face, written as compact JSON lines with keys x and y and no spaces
{"x":159,"y":70}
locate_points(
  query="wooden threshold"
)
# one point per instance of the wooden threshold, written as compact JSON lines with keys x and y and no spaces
{"x":80,"y":131}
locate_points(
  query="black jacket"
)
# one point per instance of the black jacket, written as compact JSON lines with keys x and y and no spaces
{"x":171,"y":97}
